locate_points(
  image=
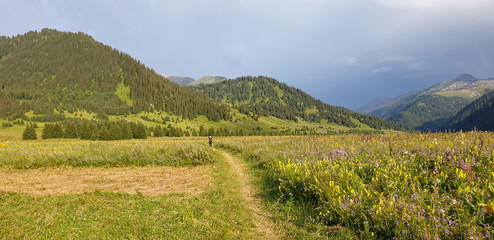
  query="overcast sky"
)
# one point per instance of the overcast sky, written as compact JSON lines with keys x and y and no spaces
{"x":345,"y":53}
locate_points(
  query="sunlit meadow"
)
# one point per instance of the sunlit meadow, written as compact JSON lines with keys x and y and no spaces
{"x":419,"y":186}
{"x":53,"y":153}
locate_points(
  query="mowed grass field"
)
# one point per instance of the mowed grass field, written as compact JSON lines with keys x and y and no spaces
{"x":159,"y":188}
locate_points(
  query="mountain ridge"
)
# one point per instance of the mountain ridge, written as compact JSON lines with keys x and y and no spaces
{"x":207,"y":80}
{"x":433,"y":106}
{"x":383,"y":102}
{"x":182,"y":81}
{"x":264,"y":96}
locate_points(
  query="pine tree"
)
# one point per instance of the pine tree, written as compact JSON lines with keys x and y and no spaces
{"x":29,"y":133}
{"x":126,"y":131}
{"x":140,"y":132}
{"x":158,"y":132}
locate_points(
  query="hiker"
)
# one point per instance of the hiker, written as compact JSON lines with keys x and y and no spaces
{"x":210,"y":138}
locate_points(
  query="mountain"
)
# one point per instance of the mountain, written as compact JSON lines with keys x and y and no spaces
{"x":477,"y":115}
{"x":383,"y":102}
{"x":466,"y":77}
{"x":431,"y":108}
{"x":49,"y":72}
{"x":182,"y":81}
{"x":207,"y":80}
{"x":264,"y":96}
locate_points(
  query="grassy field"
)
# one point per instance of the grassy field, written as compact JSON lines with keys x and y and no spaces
{"x":119,"y":197}
{"x":157,"y":188}
{"x":419,"y":186}
{"x":405,"y":186}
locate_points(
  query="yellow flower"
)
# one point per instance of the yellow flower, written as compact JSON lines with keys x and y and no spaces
{"x":3,"y":145}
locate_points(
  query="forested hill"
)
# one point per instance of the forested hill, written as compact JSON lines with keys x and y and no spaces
{"x":477,"y":115}
{"x":264,"y":96}
{"x":48,"y":70}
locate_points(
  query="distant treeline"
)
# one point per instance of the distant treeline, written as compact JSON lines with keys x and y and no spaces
{"x":117,"y":130}
{"x":121,"y":129}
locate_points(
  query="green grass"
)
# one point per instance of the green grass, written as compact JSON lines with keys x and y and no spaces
{"x":408,"y":186}
{"x":218,"y":213}
{"x":63,"y":152}
{"x":290,"y":217}
{"x":123,"y":92}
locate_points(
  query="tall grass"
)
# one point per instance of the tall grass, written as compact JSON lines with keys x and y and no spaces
{"x":418,"y":186}
{"x":159,"y":152}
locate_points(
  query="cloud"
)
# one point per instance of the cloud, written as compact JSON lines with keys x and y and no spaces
{"x":438,"y":5}
{"x":351,"y":61}
{"x":381,"y":70}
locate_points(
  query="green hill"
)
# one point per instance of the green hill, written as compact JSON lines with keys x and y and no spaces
{"x":432,"y":108}
{"x":52,"y":71}
{"x":264,"y":96}
{"x":477,"y":115}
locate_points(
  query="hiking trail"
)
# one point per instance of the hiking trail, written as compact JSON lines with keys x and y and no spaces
{"x":253,"y":203}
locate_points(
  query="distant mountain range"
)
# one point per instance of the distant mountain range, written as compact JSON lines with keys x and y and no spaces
{"x":207,"y":80}
{"x":182,"y":81}
{"x":383,"y":102}
{"x":433,"y":107}
{"x":188,"y":81}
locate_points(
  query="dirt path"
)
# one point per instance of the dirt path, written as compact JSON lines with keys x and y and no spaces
{"x":261,"y":218}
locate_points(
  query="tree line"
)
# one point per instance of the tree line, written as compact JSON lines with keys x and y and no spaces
{"x":118,"y":130}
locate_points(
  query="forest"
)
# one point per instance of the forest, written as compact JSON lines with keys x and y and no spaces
{"x":264,"y":96}
{"x":51,"y":70}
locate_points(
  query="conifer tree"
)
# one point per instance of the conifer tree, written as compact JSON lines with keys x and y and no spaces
{"x":29,"y":133}
{"x":158,"y":132}
{"x":140,"y":132}
{"x":126,"y":131}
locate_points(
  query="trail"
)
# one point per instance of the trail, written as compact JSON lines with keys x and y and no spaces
{"x":261,"y":218}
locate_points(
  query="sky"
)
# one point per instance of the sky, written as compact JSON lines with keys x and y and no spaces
{"x":345,"y":53}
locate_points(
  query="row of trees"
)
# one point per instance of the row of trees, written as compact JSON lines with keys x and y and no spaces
{"x":116,"y":130}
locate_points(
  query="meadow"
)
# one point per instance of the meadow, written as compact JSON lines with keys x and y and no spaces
{"x":158,"y":188}
{"x":380,"y":186}
{"x":403,"y":186}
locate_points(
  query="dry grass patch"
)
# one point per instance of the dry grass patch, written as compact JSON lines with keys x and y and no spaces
{"x":151,"y":180}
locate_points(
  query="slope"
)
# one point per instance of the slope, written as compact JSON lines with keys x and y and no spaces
{"x":383,"y":102}
{"x":264,"y":96}
{"x":432,"y":107}
{"x":51,"y":70}
{"x":477,"y":115}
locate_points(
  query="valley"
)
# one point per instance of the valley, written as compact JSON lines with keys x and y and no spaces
{"x":95,"y":144}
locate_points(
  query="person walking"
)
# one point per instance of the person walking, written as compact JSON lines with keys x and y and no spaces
{"x":210,"y":138}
